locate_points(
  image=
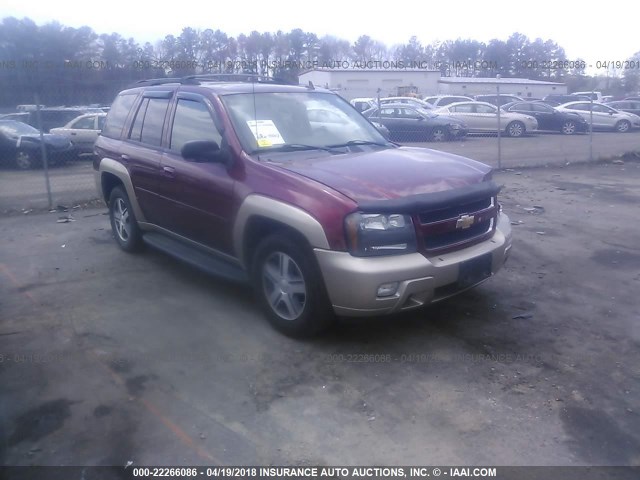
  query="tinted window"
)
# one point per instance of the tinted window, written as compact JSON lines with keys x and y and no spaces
{"x":579,"y":106}
{"x":536,"y":107}
{"x":154,"y":120}
{"x":602,"y":109}
{"x":408,"y":113}
{"x":101,"y":120}
{"x":466,"y":108}
{"x":86,"y":123}
{"x":118,"y":115}
{"x":523,"y":107}
{"x":485,"y":109}
{"x":136,"y":128}
{"x":389,"y":113}
{"x":192,"y":121}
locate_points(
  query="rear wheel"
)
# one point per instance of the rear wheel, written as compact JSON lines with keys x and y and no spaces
{"x":623,"y":126}
{"x":25,"y":160}
{"x":123,"y":221}
{"x":289,"y":286}
{"x":568,"y":127}
{"x":516,"y":129}
{"x":438,"y":134}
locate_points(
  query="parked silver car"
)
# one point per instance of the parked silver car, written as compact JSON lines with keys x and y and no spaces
{"x":604,"y":117}
{"x":83,"y":131}
{"x":483,"y":117}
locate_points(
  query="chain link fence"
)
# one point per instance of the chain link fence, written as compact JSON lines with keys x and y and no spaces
{"x":40,"y":178}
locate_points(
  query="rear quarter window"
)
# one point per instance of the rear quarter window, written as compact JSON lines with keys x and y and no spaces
{"x":117,"y":116}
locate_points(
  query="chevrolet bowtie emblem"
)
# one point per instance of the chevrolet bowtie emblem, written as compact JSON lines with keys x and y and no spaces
{"x":465,"y":221}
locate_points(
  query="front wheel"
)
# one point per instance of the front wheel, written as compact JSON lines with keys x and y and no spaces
{"x":290,"y":288}
{"x":123,"y":221}
{"x":25,"y":160}
{"x":568,"y":128}
{"x":623,"y":126}
{"x":516,"y":129}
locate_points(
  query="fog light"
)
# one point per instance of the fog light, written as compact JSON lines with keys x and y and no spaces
{"x":388,"y":289}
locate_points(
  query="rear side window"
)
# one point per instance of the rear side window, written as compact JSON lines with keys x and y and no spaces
{"x":118,"y":115}
{"x":147,"y":126}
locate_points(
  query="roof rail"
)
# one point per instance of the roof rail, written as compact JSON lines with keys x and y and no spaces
{"x":210,"y":77}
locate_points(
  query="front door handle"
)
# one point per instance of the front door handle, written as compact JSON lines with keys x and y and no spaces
{"x":169,"y":171}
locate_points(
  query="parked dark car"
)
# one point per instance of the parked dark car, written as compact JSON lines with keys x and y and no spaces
{"x":20,"y":146}
{"x":498,"y":100}
{"x":53,"y":117}
{"x":629,"y":106}
{"x":236,"y":179}
{"x":549,"y":118}
{"x":406,"y":123}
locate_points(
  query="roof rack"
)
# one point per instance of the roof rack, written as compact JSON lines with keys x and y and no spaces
{"x":211,"y":77}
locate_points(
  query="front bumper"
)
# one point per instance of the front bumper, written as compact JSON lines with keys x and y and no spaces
{"x":352,"y":282}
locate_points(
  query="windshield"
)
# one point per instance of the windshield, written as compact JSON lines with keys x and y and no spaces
{"x":17,"y":128}
{"x":272,"y":121}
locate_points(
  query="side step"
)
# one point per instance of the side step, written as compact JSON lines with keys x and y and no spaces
{"x":195,"y":257}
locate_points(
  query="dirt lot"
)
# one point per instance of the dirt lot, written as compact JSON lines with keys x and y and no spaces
{"x":107,"y":358}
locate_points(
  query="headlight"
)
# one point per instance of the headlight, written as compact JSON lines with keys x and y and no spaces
{"x":371,"y":234}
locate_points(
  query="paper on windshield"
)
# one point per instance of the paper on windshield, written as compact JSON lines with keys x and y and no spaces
{"x":265,"y":133}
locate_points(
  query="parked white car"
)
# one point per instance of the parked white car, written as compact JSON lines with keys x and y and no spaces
{"x":362,"y":104}
{"x":604,"y":117}
{"x":414,"y":102}
{"x":483,"y":117}
{"x":83,"y":131}
{"x":442,"y":100}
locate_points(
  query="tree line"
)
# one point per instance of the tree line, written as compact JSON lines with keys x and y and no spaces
{"x":67,"y":65}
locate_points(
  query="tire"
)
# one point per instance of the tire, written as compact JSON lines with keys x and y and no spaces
{"x":516,"y":129}
{"x":438,"y":134}
{"x":25,"y":160}
{"x":623,"y":126}
{"x":290,"y":288}
{"x":568,"y":128}
{"x":123,"y":221}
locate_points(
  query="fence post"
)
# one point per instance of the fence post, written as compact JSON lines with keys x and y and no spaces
{"x":499,"y":128}
{"x":591,"y":129}
{"x":43,"y":151}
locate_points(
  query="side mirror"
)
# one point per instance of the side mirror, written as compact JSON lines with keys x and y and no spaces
{"x":204,"y":151}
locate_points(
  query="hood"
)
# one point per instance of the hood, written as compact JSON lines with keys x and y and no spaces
{"x":390,"y":173}
{"x":57,"y":141}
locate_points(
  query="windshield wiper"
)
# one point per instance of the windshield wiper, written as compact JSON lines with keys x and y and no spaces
{"x":360,"y":142}
{"x":292,"y":147}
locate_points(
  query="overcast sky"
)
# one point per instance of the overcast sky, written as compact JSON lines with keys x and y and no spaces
{"x":584,"y":30}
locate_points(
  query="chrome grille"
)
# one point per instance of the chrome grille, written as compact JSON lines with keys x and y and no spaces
{"x":444,"y":229}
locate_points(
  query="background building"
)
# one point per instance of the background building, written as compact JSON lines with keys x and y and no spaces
{"x":354,"y":83}
{"x":522,"y":87}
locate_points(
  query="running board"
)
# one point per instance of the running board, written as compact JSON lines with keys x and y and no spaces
{"x":196,"y":258}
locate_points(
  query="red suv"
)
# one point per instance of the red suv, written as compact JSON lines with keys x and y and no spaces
{"x":322,"y":215}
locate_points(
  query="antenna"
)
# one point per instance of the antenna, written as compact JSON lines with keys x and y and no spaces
{"x":255,"y":110}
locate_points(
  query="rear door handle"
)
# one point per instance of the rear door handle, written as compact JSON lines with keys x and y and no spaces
{"x":125,"y":157}
{"x":169,"y":171}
